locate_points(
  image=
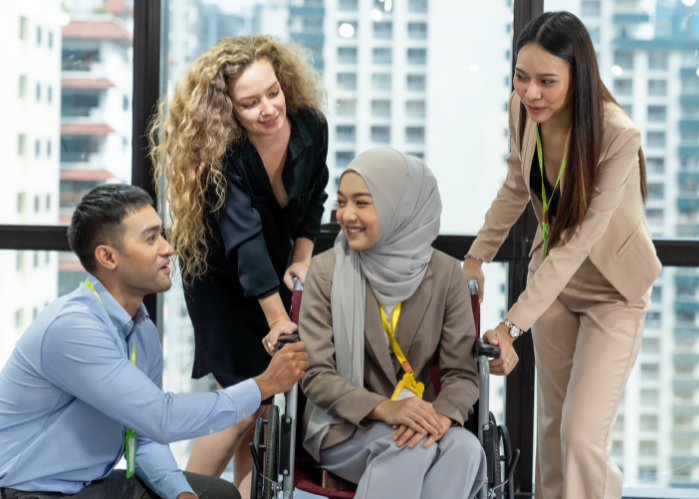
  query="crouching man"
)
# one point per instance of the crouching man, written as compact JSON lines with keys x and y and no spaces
{"x":82,"y":387}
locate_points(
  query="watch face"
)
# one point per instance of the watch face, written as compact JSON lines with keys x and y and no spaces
{"x":515,"y":332}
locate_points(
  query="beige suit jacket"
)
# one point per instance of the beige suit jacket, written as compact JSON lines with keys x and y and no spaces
{"x":437,"y":317}
{"x":614,"y":233}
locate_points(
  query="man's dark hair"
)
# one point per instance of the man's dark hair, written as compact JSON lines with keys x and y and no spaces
{"x":98,"y":219}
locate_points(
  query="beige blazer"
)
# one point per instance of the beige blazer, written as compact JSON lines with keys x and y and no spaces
{"x":437,"y":316}
{"x":614,"y":233}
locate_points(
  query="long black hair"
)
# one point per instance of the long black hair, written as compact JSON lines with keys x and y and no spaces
{"x":565,"y":36}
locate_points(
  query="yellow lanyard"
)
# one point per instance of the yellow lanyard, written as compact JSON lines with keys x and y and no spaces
{"x":408,"y":380}
{"x":545,"y":222}
{"x":130,"y":437}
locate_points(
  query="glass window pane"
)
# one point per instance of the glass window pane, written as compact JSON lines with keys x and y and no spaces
{"x":65,"y":132}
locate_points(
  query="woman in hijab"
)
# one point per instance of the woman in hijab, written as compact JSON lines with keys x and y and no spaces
{"x":376,"y":309}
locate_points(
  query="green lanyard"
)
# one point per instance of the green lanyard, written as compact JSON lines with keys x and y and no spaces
{"x":130,"y":439}
{"x":547,"y":203}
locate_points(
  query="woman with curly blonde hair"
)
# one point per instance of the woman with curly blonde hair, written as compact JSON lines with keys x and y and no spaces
{"x":241,"y":149}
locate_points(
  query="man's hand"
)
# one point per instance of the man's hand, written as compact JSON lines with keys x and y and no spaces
{"x":413,"y":413}
{"x":287,"y":367}
{"x":406,"y":434}
{"x":187,"y":495}
{"x":500,"y":336}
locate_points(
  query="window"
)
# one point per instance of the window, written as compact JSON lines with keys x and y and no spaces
{"x":417,"y":57}
{"x":21,"y":144}
{"x":656,"y":139}
{"x":347,"y":81}
{"x":650,"y":397}
{"x":650,"y":345}
{"x":19,"y":319}
{"x":418,"y":31}
{"x":653,"y":320}
{"x":79,"y":59}
{"x":22,"y":86}
{"x":649,"y":422}
{"x":690,"y":110}
{"x":420,"y":155}
{"x":623,"y":87}
{"x":23,"y":28}
{"x":383,"y":30}
{"x":79,"y":104}
{"x":347,"y":29}
{"x":415,"y":134}
{"x":657,"y":60}
{"x":417,"y":6}
{"x":618,"y":448}
{"x":312,"y":24}
{"x":381,"y":82}
{"x":654,"y":216}
{"x":657,"y":87}
{"x":49,"y":94}
{"x":343,"y":158}
{"x":690,"y":137}
{"x":347,"y":55}
{"x":125,"y":103}
{"x":48,"y":208}
{"x":348,"y":5}
{"x":50,"y":39}
{"x":655,"y":165}
{"x":415,"y":108}
{"x":628,"y":109}
{"x":38,"y":92}
{"x":657,"y":114}
{"x":650,"y":371}
{"x":345,"y":133}
{"x":381,"y":134}
{"x":37,"y":148}
{"x":690,"y":84}
{"x":346,"y":107}
{"x":647,"y":474}
{"x":594,"y":34}
{"x":648,"y":448}
{"x":416,"y":83}
{"x":590,"y":8}
{"x":36,"y":259}
{"x":38,"y":35}
{"x":381,"y":108}
{"x":684,"y":395}
{"x":656,"y":191}
{"x":78,"y":149}
{"x":382,"y":55}
{"x":623,"y":59}
{"x":20,"y":203}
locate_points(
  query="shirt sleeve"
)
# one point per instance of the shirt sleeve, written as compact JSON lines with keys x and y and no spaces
{"x":563,"y":261}
{"x":310,"y":225}
{"x":155,"y":464}
{"x":81,"y":356}
{"x":241,"y":227}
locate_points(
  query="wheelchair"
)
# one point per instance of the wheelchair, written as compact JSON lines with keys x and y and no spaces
{"x":279,"y":467}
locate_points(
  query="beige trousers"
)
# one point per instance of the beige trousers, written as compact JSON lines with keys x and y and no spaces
{"x":585,"y":346}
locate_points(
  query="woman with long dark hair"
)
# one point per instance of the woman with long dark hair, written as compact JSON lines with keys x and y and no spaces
{"x":576,"y":156}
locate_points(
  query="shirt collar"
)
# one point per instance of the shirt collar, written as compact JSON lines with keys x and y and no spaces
{"x":123,"y":323}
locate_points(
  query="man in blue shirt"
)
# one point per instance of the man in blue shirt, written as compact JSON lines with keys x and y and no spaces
{"x":86,"y":374}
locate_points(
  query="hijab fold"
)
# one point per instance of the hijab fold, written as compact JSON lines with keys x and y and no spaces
{"x":408,"y":209}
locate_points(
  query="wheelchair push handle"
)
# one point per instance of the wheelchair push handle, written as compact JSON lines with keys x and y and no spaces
{"x":473,"y":287}
{"x":297,"y":284}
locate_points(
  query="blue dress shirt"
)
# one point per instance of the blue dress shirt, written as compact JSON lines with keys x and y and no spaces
{"x":69,"y":390}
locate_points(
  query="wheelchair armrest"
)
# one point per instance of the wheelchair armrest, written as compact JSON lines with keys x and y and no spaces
{"x":483,"y":348}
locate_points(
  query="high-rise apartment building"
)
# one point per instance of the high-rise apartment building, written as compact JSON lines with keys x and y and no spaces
{"x":30,"y":35}
{"x":648,"y":57}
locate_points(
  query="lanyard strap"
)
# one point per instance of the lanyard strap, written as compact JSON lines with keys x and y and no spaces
{"x":391,"y":338}
{"x":130,"y":435}
{"x":545,"y":202}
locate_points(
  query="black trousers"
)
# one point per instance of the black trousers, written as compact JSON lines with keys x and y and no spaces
{"x":117,"y":486}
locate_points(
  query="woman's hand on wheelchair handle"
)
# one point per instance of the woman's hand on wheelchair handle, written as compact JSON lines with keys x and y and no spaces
{"x":472,"y":270}
{"x":284,"y":326}
{"x":295,"y":270}
{"x":413,"y":413}
{"x":500,"y":337}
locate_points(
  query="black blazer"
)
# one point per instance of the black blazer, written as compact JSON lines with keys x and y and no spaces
{"x":250,"y":247}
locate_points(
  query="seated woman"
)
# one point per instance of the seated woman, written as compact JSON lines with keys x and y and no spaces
{"x":382,"y":281}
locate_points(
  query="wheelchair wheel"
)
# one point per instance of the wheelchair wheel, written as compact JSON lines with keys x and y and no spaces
{"x":497,"y":479}
{"x":255,"y":490}
{"x":271,"y":472}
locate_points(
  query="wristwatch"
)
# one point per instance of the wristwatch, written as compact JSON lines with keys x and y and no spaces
{"x":515,"y":332}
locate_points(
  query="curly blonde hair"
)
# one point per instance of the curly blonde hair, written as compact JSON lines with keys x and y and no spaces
{"x":194,"y":128}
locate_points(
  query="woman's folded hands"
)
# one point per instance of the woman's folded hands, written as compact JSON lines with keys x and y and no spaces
{"x":414,"y":419}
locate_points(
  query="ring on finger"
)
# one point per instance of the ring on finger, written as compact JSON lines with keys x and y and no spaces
{"x":508,"y":361}
{"x":269,"y":344}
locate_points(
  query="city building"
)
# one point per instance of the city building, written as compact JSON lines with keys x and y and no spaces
{"x":647,"y":53}
{"x":30,"y":35}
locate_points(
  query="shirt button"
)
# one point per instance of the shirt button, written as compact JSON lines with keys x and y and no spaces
{"x":211,"y":431}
